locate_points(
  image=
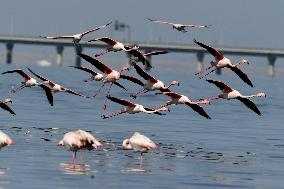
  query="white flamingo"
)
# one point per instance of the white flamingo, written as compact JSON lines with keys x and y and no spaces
{"x":5,"y":140}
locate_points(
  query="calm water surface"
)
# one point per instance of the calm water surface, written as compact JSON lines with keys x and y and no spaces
{"x":236,"y":149}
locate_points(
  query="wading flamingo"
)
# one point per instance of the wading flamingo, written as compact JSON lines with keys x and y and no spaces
{"x":79,"y":140}
{"x":4,"y":140}
{"x":140,"y":143}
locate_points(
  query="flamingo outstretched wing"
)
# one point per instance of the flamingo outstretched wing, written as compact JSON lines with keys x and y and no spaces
{"x":48,"y":93}
{"x":105,"y":39}
{"x":242,"y":75}
{"x":40,"y":77}
{"x":155,"y":53}
{"x":249,"y":104}
{"x":198,"y":109}
{"x":99,"y":65}
{"x":172,"y":94}
{"x":121,"y":101}
{"x":160,"y":21}
{"x":218,"y":56}
{"x":143,"y":74}
{"x":85,"y":69}
{"x":4,"y":106}
{"x":133,"y":79}
{"x":220,"y":85}
{"x":19,"y":71}
{"x":95,"y":29}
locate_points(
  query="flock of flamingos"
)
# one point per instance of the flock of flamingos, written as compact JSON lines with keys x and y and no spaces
{"x":78,"y":140}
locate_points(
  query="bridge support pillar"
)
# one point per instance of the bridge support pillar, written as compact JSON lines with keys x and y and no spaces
{"x":200,"y":57}
{"x":9,"y":53}
{"x":147,"y":68}
{"x":59,"y":55}
{"x":78,"y":49}
{"x":271,"y":65}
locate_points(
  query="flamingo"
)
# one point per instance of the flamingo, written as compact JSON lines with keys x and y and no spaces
{"x":112,"y":45}
{"x":110,"y":75}
{"x":29,"y":81}
{"x":94,"y":75}
{"x":4,"y":106}
{"x":50,"y":88}
{"x":5,"y":140}
{"x":77,"y":37}
{"x":79,"y":140}
{"x":140,"y":143}
{"x":176,"y":99}
{"x":222,"y":62}
{"x":230,"y":93}
{"x":179,"y":27}
{"x":152,"y":83}
{"x":132,"y":108}
{"x":143,"y":57}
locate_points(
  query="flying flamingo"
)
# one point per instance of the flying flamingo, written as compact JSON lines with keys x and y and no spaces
{"x":5,"y":140}
{"x":77,"y":37}
{"x":140,"y":143}
{"x":50,"y":88}
{"x":132,"y":108}
{"x":4,"y":106}
{"x":29,"y":81}
{"x":176,"y":99}
{"x":143,"y":57}
{"x":112,"y":45}
{"x":152,"y":83}
{"x":79,"y":140}
{"x":179,"y":27}
{"x":110,"y":75}
{"x":230,"y":93}
{"x":222,"y":62}
{"x":94,"y":75}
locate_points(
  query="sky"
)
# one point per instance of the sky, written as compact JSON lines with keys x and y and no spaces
{"x":242,"y":23}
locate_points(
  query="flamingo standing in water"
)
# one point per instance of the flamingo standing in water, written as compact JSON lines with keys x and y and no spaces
{"x":176,"y":99}
{"x":50,"y":88}
{"x":4,"y":106}
{"x":5,"y":140}
{"x":222,"y":62}
{"x":112,"y":45}
{"x":140,"y":143}
{"x":29,"y":81}
{"x":77,"y":37}
{"x":152,"y":83}
{"x":110,"y":75}
{"x":79,"y":140}
{"x":132,"y":108}
{"x":179,"y":27}
{"x":230,"y":93}
{"x":94,"y":75}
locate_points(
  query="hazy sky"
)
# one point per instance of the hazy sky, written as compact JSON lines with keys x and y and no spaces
{"x":249,"y":23}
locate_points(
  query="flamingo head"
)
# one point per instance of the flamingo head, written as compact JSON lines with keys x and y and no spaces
{"x":9,"y":141}
{"x":243,"y":61}
{"x":204,"y":101}
{"x":7,"y":100}
{"x":261,"y":94}
{"x":126,"y":145}
{"x":124,"y":68}
{"x":60,"y":143}
{"x":175,"y":83}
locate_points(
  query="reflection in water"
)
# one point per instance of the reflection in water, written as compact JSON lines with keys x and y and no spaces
{"x":69,"y":168}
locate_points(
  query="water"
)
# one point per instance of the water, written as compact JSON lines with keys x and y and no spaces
{"x":236,"y":149}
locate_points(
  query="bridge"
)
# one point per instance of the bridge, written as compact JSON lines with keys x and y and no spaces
{"x":60,"y":44}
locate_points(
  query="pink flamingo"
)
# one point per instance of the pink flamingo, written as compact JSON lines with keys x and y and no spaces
{"x":94,"y":75}
{"x":152,"y":83}
{"x":110,"y":75}
{"x":5,"y":140}
{"x":140,"y":143}
{"x":230,"y":93}
{"x":176,"y":99}
{"x":4,"y":106}
{"x":77,"y":37}
{"x":131,"y":108}
{"x":112,"y":45}
{"x":29,"y":81}
{"x":179,"y":27}
{"x":222,"y":62}
{"x":50,"y":88}
{"x":79,"y":140}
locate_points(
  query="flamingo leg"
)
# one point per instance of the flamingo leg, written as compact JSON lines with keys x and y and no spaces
{"x":135,"y":95}
{"x":141,"y":161}
{"x":101,"y":53}
{"x":200,"y":77}
{"x":74,"y":159}
{"x":106,"y":116}
{"x":208,"y":100}
{"x":81,"y":158}
{"x":208,"y":68}
{"x":99,"y":90}
{"x":108,"y":92}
